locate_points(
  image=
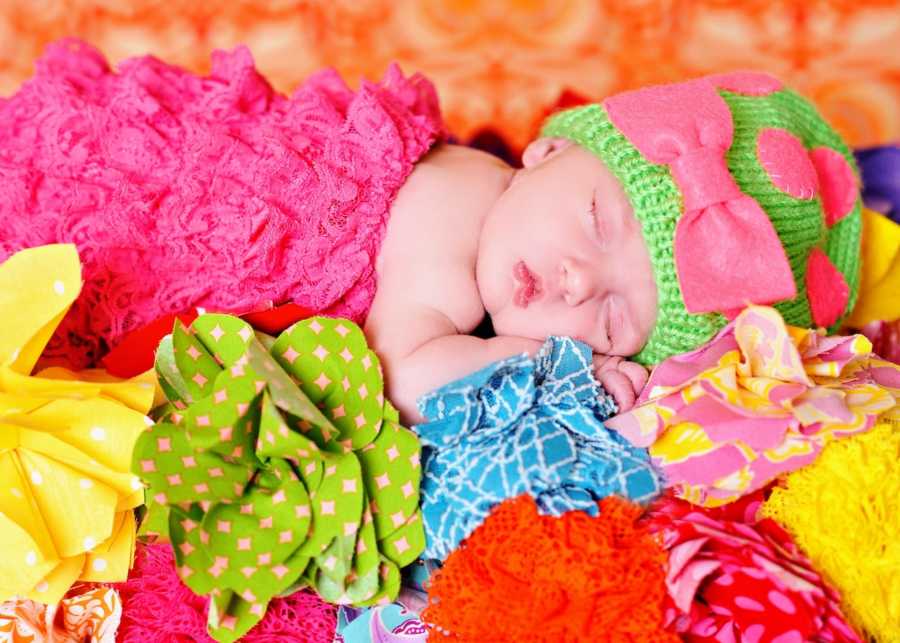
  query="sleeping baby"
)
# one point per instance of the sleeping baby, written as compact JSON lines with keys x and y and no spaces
{"x":639,"y":225}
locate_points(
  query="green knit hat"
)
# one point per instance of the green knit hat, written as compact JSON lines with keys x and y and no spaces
{"x":781,"y":154}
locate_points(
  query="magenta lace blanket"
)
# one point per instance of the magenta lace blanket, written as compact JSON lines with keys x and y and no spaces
{"x":217,"y":192}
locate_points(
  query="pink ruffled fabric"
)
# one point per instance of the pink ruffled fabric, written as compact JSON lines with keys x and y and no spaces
{"x":217,"y":192}
{"x":157,"y":606}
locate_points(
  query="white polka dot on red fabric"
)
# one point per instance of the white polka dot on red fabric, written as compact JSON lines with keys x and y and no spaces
{"x":721,"y":610}
{"x":782,"y":602}
{"x":756,"y":573}
{"x":787,"y":163}
{"x":749,"y":604}
{"x":837,"y":182}
{"x":753,"y":634}
{"x":706,"y":627}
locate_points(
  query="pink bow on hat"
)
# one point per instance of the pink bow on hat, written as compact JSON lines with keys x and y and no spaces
{"x":727,"y":253}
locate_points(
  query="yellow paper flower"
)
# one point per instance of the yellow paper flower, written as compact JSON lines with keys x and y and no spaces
{"x":879,"y":291}
{"x":66,"y":493}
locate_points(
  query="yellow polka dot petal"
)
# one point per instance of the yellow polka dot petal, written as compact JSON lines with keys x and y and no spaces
{"x":66,"y":492}
{"x":879,"y":293}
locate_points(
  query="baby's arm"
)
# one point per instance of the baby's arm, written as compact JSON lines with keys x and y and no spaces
{"x":423,"y":351}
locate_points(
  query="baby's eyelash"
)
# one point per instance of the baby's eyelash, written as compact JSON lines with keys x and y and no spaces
{"x":598,"y":224}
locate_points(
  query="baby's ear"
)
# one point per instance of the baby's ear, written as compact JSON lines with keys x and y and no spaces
{"x":543,"y":148}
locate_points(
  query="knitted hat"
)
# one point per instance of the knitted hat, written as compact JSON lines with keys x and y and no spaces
{"x":744,"y":194}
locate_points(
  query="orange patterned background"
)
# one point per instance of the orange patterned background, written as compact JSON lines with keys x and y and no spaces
{"x":501,"y":64}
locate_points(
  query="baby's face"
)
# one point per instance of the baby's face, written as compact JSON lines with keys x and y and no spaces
{"x":561,"y":253}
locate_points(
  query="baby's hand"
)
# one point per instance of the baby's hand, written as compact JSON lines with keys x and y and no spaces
{"x":621,"y":379}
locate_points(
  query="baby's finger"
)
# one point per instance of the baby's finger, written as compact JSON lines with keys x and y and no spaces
{"x":603,"y":363}
{"x":619,"y":386}
{"x":637,"y":374}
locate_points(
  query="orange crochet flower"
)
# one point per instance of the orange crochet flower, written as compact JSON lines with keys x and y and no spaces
{"x":522,"y":576}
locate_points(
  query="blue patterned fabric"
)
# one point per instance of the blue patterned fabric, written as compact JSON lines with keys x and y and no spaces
{"x":396,"y":622}
{"x":523,"y":425}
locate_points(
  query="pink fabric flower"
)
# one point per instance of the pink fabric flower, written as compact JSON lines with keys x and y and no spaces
{"x":759,"y":400}
{"x":733,"y":579}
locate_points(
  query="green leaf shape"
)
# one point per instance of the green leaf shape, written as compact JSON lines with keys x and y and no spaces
{"x":392,"y":477}
{"x":337,"y":502}
{"x":274,"y":479}
{"x":336,"y":368}
{"x":389,"y":578}
{"x":197,"y":367}
{"x":155,"y":521}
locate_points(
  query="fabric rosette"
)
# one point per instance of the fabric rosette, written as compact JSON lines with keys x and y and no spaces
{"x":760,"y":400}
{"x":66,"y":491}
{"x":844,"y":511}
{"x":281,"y":465}
{"x":522,"y":576}
{"x":733,"y":578}
{"x":523,"y":425}
{"x":87,"y":615}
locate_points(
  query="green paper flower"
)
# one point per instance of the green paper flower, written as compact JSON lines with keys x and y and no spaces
{"x":278,"y":464}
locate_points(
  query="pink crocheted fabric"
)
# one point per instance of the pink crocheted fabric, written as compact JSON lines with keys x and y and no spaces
{"x":181,"y":190}
{"x":157,"y":606}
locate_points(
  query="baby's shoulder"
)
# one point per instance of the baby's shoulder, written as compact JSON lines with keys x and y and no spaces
{"x":431,"y":242}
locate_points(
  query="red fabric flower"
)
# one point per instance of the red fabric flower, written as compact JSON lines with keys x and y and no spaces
{"x":732,"y":578}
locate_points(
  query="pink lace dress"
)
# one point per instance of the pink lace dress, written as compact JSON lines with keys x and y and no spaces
{"x":184,"y":191}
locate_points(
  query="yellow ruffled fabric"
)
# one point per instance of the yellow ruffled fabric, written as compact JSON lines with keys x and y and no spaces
{"x":66,"y":491}
{"x":879,"y":289}
{"x":844,"y":511}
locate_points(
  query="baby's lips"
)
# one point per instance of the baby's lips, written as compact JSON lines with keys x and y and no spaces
{"x":529,"y":285}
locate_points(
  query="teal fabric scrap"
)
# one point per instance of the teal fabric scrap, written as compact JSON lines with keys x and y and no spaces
{"x":523,"y":425}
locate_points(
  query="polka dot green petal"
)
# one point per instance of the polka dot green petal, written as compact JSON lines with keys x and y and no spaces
{"x":392,"y":476}
{"x":277,"y":439}
{"x":337,"y":502}
{"x":280,"y":465}
{"x":389,"y":575}
{"x":176,"y":472}
{"x":335,"y":368}
{"x":404,"y":545}
{"x":225,"y":337}
{"x":336,"y":562}
{"x":231,"y":616}
{"x":197,"y":366}
{"x":191,"y":558}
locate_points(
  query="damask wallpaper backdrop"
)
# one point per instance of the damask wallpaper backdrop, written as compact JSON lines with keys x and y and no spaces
{"x":502,"y":64}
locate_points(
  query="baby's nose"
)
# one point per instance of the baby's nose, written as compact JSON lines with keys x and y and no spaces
{"x":577,"y":281}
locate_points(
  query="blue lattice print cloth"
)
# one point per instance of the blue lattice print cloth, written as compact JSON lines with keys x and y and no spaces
{"x":523,"y":425}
